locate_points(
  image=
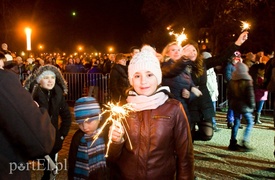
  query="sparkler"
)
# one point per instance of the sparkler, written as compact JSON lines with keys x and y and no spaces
{"x":179,"y":37}
{"x":117,"y":114}
{"x":245,"y":26}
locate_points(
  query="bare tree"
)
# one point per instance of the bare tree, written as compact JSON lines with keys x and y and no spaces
{"x":221,"y":18}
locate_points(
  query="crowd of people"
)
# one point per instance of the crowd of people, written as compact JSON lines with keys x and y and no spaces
{"x":173,"y":96}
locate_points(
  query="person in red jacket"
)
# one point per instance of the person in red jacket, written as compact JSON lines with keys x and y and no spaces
{"x":157,"y":128}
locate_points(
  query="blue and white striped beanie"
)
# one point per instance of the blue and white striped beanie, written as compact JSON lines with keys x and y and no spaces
{"x":86,"y":109}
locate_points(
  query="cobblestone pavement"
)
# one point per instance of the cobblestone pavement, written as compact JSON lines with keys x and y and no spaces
{"x":212,"y":159}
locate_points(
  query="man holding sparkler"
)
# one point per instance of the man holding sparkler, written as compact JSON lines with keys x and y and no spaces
{"x":155,"y":141}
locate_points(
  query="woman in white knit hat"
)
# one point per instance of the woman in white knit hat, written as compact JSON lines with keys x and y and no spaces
{"x":158,"y":128}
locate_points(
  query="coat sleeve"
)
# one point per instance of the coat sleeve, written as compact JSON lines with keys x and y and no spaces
{"x":172,"y":69}
{"x":223,"y":57}
{"x":114,"y":83}
{"x":26,"y":126}
{"x":251,"y":95}
{"x":183,"y":146}
{"x":66,"y":119}
{"x":73,"y":152}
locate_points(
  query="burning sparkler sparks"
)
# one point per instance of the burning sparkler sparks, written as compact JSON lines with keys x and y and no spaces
{"x":179,"y":37}
{"x":118,"y":114}
{"x":245,"y":26}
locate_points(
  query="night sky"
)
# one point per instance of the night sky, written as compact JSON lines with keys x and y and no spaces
{"x":97,"y":25}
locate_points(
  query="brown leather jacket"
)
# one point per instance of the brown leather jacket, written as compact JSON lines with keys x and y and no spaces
{"x":162,"y":145}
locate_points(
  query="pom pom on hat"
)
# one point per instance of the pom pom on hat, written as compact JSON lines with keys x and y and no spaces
{"x":146,"y":59}
{"x":241,"y":72}
{"x":43,"y":74}
{"x":86,"y":109}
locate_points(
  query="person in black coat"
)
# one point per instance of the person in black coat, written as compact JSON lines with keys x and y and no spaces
{"x":119,"y":80}
{"x":26,"y":132}
{"x":178,"y":82}
{"x":241,"y":100}
{"x":201,"y":109}
{"x":48,"y":88}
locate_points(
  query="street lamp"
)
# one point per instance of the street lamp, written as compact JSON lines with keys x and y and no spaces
{"x":28,"y":38}
{"x":40,"y":47}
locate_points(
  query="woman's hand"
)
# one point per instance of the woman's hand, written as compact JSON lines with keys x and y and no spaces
{"x":196,"y":91}
{"x":185,"y":94}
{"x":187,"y":51}
{"x":242,"y":38}
{"x":116,"y":132}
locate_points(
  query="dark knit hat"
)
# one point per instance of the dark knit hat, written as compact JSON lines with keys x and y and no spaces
{"x":241,"y":72}
{"x":86,"y":109}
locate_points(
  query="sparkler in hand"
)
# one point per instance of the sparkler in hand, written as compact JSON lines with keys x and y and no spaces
{"x":117,"y":117}
{"x":179,"y":37}
{"x":245,"y":26}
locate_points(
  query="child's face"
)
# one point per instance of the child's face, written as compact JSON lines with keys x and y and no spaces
{"x":47,"y":82}
{"x":88,"y":127}
{"x":145,"y":82}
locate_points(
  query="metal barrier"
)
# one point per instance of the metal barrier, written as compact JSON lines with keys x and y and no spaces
{"x":79,"y":85}
{"x":97,"y":84}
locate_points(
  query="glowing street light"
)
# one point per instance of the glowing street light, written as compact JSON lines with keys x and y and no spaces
{"x":28,"y":38}
{"x":40,"y":47}
{"x":111,"y":49}
{"x":80,"y":48}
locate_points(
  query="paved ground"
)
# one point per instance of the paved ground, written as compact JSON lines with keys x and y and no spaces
{"x":212,"y":159}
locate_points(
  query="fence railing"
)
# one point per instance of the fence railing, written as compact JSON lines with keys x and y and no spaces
{"x":83,"y":84}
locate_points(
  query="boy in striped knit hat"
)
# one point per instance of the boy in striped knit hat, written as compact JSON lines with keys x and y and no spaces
{"x":87,"y":161}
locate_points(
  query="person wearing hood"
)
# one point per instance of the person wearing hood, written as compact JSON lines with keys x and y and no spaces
{"x":241,"y":100}
{"x":48,"y":88}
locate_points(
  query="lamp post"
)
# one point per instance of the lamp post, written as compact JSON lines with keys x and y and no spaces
{"x":28,"y":39}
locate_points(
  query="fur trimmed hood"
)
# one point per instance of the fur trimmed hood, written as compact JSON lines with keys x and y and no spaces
{"x":31,"y":79}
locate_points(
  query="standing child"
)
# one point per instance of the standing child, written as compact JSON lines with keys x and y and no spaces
{"x":158,"y":128}
{"x":260,"y":93}
{"x":87,"y":161}
{"x":241,"y":100}
{"x":48,"y":88}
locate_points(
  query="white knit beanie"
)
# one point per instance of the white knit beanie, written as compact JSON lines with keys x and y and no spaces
{"x":146,"y":59}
